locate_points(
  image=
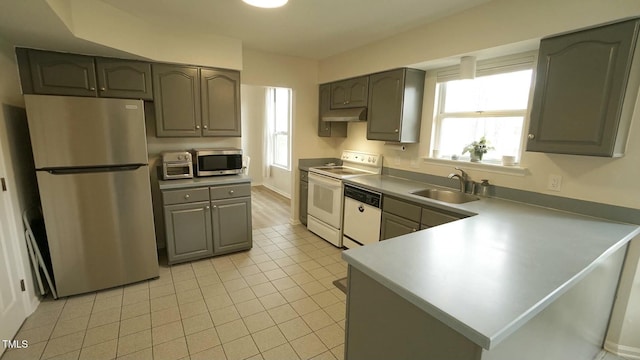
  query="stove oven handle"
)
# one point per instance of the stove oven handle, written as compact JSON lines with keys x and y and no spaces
{"x":324,"y":180}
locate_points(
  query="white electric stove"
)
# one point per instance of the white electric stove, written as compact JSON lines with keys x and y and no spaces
{"x":325,"y":209}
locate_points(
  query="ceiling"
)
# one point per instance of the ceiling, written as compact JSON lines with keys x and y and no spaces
{"x":314,"y":29}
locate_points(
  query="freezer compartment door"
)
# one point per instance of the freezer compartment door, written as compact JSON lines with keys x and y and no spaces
{"x":100,"y":228}
{"x":71,"y":131}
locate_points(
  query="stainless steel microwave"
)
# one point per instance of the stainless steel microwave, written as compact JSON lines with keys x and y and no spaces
{"x":211,"y":162}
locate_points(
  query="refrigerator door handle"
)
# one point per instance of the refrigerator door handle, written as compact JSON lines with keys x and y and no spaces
{"x":97,"y":169}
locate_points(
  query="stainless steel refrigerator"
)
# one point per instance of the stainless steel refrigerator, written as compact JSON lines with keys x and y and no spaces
{"x":92,"y":168}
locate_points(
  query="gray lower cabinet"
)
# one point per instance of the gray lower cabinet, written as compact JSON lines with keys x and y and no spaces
{"x":207,"y":221}
{"x":398,"y":218}
{"x":393,"y":225}
{"x":55,"y":73}
{"x":326,"y":128}
{"x":187,"y":215}
{"x":304,"y":196}
{"x":586,"y":86}
{"x":231,"y":225}
{"x":395,"y":105}
{"x":401,"y":217}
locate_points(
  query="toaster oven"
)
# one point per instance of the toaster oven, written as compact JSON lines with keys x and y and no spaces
{"x":177,"y":165}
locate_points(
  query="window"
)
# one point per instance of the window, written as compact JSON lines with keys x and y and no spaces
{"x":279,"y":124}
{"x":493,"y":105}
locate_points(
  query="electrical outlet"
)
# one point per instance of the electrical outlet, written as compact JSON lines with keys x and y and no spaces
{"x":555,"y":182}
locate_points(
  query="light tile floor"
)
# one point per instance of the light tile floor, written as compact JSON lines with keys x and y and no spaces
{"x":276,"y":301}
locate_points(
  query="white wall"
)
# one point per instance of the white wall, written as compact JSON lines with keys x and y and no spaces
{"x":498,"y":28}
{"x":21,"y":188}
{"x":301,"y":75}
{"x":253,"y":122}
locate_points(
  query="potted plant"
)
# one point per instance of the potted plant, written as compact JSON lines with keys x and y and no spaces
{"x":477,"y":148}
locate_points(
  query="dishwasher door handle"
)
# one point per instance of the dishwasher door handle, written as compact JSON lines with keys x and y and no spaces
{"x":361,"y":208}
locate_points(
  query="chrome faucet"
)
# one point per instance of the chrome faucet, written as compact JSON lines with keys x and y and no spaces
{"x":462,"y":177}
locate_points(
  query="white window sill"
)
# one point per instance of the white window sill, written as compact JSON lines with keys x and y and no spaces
{"x":515,"y":170}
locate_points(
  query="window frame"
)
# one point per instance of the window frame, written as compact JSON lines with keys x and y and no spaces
{"x":500,"y":65}
{"x":274,"y":134}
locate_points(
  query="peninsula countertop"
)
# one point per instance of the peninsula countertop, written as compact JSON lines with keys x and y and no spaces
{"x":488,"y":274}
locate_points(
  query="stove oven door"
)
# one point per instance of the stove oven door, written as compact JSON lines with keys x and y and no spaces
{"x":325,"y":199}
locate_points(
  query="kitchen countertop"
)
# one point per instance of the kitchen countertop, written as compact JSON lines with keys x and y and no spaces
{"x":203,"y":181}
{"x":486,"y":275}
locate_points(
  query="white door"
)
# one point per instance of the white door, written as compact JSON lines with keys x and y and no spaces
{"x":12,"y":302}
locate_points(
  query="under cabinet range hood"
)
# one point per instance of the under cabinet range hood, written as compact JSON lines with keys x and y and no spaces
{"x":345,"y":115}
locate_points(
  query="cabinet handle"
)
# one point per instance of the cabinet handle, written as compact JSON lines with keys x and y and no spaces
{"x":102,"y":89}
{"x":197,"y":126}
{"x":205,"y":127}
{"x":531,"y":136}
{"x":230,"y":192}
{"x":214,"y":206}
{"x":187,"y":196}
{"x":207,"y":207}
{"x":396,"y":130}
{"x":413,"y":230}
{"x":92,"y":88}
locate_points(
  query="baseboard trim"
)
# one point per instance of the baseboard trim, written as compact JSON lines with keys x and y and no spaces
{"x":280,"y":192}
{"x":627,"y":352}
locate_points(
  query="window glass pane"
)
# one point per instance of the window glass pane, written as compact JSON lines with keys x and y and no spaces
{"x":282,"y":106}
{"x":502,"y":133}
{"x":507,"y":91}
{"x":281,"y":150}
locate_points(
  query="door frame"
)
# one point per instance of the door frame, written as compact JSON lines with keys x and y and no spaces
{"x":24,"y":304}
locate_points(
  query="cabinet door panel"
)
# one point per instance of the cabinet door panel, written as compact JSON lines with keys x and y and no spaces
{"x":580,"y":85}
{"x":385,"y":106}
{"x":350,"y":93}
{"x":220,"y":102}
{"x":231,"y":225}
{"x":176,"y":94}
{"x":124,"y":79}
{"x":392,"y":226}
{"x":62,"y":74}
{"x":188,"y":228}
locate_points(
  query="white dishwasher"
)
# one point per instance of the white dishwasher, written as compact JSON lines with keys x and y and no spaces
{"x":361,"y":216}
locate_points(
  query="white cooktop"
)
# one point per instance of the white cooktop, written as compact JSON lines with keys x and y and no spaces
{"x":354,"y":164}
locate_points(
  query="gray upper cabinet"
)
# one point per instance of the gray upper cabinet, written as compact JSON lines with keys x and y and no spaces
{"x":325,"y":128}
{"x":192,"y":101}
{"x":124,"y":79}
{"x":176,"y":94}
{"x":586,"y":85}
{"x":220,"y":102}
{"x":350,"y":93}
{"x":395,"y":105}
{"x":54,"y":73}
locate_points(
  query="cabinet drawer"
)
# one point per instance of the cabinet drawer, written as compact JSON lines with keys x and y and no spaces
{"x":434,"y":218}
{"x":184,"y":196}
{"x":404,"y":209}
{"x":230,"y":191}
{"x":304,"y":175}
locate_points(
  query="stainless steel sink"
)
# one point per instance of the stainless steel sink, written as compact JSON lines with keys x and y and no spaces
{"x":453,"y":197}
